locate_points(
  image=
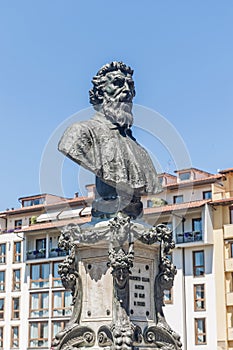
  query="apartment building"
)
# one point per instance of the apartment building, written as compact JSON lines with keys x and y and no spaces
{"x":195,"y":204}
{"x":33,"y":303}
{"x":186,"y":205}
{"x":223,"y":243}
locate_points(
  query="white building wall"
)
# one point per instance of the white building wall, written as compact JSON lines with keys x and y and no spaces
{"x":209,"y":313}
{"x":8,"y":294}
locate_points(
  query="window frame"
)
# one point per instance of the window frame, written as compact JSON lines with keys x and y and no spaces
{"x":39,"y":339}
{"x":2,"y":255}
{"x":54,"y":279}
{"x":40,"y":280}
{"x":176,"y":197}
{"x":197,"y":342}
{"x":2,"y":310}
{"x":16,"y":285}
{"x":13,"y":310}
{"x":231,"y":214}
{"x":12,"y":337}
{"x":196,"y":299}
{"x":63,"y":308}
{"x":40,"y":305}
{"x":199,"y":219}
{"x":204,"y":193}
{"x":3,"y":282}
{"x":183,"y":176}
{"x":63,"y":325}
{"x":15,"y":254}
{"x":1,"y":337}
{"x":18,"y":224}
{"x":195,"y":267}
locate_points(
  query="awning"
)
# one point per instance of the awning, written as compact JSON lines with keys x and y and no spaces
{"x":86,"y":211}
{"x":50,"y":216}
{"x":70,"y":213}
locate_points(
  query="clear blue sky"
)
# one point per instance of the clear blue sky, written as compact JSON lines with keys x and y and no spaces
{"x":181,"y":52}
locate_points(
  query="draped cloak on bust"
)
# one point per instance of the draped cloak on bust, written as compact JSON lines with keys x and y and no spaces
{"x":111,"y":154}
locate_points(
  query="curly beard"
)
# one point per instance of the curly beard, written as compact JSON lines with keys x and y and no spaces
{"x":119,"y":113}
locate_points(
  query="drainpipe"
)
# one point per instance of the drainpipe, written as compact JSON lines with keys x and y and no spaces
{"x":184,"y":300}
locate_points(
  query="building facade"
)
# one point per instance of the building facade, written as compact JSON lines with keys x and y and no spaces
{"x":196,"y":205}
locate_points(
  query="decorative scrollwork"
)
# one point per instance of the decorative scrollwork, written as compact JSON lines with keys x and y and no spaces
{"x":104,"y":336}
{"x":74,"y":338}
{"x":162,"y":338}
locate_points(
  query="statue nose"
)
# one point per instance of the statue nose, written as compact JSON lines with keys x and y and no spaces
{"x":126,"y":87}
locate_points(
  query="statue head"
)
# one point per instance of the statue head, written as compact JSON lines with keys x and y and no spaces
{"x":112,"y":93}
{"x":120,"y":275}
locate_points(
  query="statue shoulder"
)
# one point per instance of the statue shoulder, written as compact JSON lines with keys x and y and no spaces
{"x":73,"y":134}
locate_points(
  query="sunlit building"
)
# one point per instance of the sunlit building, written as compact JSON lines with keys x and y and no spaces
{"x":196,"y":205}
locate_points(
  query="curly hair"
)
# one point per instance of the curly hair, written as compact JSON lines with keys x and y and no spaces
{"x":99,"y":80}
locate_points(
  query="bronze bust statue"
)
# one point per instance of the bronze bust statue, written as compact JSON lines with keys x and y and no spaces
{"x":105,"y":145}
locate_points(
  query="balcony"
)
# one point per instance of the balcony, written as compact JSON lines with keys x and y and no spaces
{"x":228,"y":231}
{"x":36,"y":254}
{"x":187,"y":237}
{"x":41,"y":254}
{"x":55,"y":252}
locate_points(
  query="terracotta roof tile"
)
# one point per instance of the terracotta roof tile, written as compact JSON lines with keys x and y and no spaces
{"x":208,"y":179}
{"x":174,"y":207}
{"x":55,"y":224}
{"x":229,"y":170}
{"x":221,"y":201}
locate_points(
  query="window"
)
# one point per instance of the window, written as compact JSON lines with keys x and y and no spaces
{"x":2,"y":281}
{"x":231,"y":215}
{"x":207,"y":194}
{"x":167,"y":296}
{"x":185,"y":176}
{"x":39,"y":304}
{"x":198,"y":263}
{"x":17,"y":252}
{"x":15,"y":337}
{"x":197,"y":225}
{"x":3,"y":253}
{"x":1,"y":309}
{"x":57,"y":326}
{"x":56,"y":277}
{"x":35,"y":201}
{"x":15,"y":308}
{"x":18,"y":224}
{"x":62,"y":303}
{"x":1,"y":337}
{"x":178,"y":199}
{"x":38,"y":335}
{"x":16,"y":280}
{"x":150,"y":203}
{"x":41,"y":247}
{"x":200,"y":331}
{"x":39,"y":275}
{"x":199,"y":297}
{"x":231,"y":249}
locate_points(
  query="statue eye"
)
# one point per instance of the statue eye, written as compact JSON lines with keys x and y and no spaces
{"x":130,"y":84}
{"x":118,"y":82}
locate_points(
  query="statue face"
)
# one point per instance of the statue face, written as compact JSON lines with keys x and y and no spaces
{"x":119,"y":87}
{"x":121,"y":276}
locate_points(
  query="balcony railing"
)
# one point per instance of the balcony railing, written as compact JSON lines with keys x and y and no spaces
{"x":36,"y":254}
{"x":41,"y":254}
{"x":54,"y":252}
{"x":188,"y":237}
